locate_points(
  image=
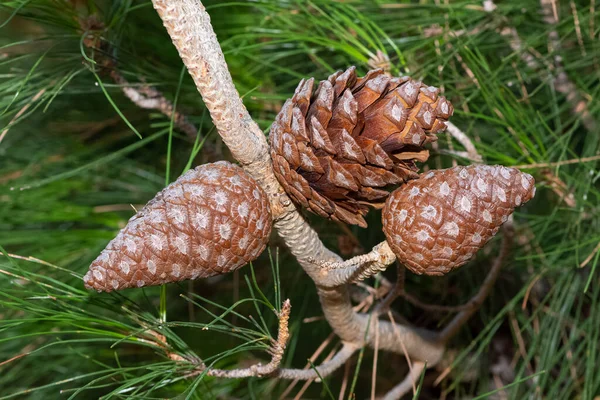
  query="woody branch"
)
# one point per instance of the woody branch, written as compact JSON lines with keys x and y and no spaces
{"x":189,"y":27}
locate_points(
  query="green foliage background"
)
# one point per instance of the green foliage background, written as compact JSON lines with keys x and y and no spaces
{"x":75,"y":153}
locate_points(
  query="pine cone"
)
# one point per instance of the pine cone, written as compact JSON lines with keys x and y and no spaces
{"x":336,"y":152}
{"x":212,"y":220}
{"x":436,"y":223}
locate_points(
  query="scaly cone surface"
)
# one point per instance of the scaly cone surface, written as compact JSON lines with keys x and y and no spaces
{"x":436,"y":223}
{"x":212,"y":220}
{"x":336,"y":152}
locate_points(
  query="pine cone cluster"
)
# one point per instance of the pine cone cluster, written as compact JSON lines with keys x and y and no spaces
{"x":212,"y":220}
{"x":338,"y":150}
{"x":436,"y":223}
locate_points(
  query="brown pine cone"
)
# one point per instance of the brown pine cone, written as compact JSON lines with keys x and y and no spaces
{"x":436,"y":223}
{"x":337,"y":151}
{"x":212,"y":220}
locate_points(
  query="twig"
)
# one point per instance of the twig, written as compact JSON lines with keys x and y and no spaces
{"x":312,"y":359}
{"x":150,"y":98}
{"x":360,"y":267}
{"x":277,"y":350}
{"x":589,"y":258}
{"x":463,"y":139}
{"x":324,"y":370}
{"x":558,"y":163}
{"x":404,"y":387}
{"x":476,"y":301}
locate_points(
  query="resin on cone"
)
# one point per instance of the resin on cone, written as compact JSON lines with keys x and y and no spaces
{"x":212,"y":220}
{"x":337,"y":151}
{"x":436,"y":223}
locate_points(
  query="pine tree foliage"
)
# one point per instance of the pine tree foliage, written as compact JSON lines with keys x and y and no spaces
{"x":77,"y":157}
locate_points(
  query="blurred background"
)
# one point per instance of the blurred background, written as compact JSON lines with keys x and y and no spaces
{"x":87,"y":134}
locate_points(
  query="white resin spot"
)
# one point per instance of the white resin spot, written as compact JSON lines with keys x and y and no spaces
{"x":500,"y":193}
{"x":416,"y":139}
{"x":220,"y":197}
{"x":201,"y":218}
{"x":463,"y":174}
{"x":151,"y":267}
{"x":444,"y":189}
{"x":211,"y":173}
{"x":114,"y":283}
{"x":221,"y":261}
{"x":476,"y":238}
{"x":98,"y":275}
{"x":306,"y":160}
{"x":176,"y":270}
{"x":177,"y":215}
{"x":140,"y":283}
{"x":260,"y":223}
{"x":295,"y":125}
{"x":402,"y":216}
{"x":243,"y":210}
{"x":518,"y":200}
{"x":396,"y":112}
{"x":487,"y":217}
{"x":429,"y":212}
{"x":409,"y":89}
{"x":430,"y":175}
{"x":414,"y":191}
{"x":256,"y":194}
{"x":104,"y":257}
{"x":447,"y":251}
{"x":349,"y":150}
{"x":196,"y":273}
{"x":347,"y":104}
{"x":156,"y":242}
{"x":243,"y":243}
{"x":505,"y":172}
{"x":340,"y":177}
{"x":525,"y":183}
{"x":225,"y":231}
{"x":419,"y":257}
{"x":287,"y":150}
{"x":427,"y":117}
{"x":181,"y":244}
{"x":445,"y":108}
{"x":319,"y":142}
{"x":481,"y":185}
{"x":422,"y":236}
{"x":156,"y":217}
{"x":235,"y":180}
{"x":465,"y":204}
{"x":130,"y":244}
{"x":196,"y":190}
{"x":451,"y":228}
{"x":203,"y":252}
{"x":124,"y":266}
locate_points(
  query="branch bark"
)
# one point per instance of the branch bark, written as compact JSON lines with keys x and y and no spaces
{"x":189,"y":27}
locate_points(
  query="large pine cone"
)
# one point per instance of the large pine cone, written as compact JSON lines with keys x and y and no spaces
{"x":336,"y":151}
{"x":436,"y":223}
{"x":212,"y":220}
